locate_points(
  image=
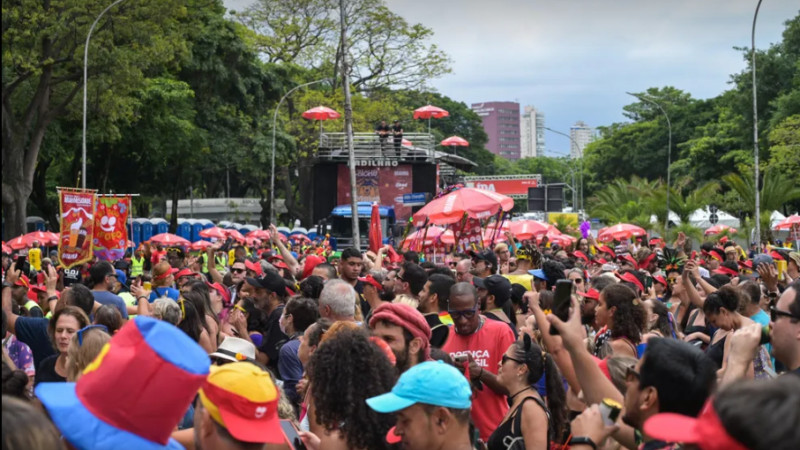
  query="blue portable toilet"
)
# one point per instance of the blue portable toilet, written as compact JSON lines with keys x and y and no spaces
{"x":34,"y":223}
{"x":146,"y":227}
{"x":135,"y":232}
{"x":159,"y":225}
{"x":184,"y":229}
{"x":246,"y":229}
{"x":204,"y":224}
{"x":196,"y":227}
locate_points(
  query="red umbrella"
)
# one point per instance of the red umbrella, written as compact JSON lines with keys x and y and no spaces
{"x":18,"y":243}
{"x":455,"y":141}
{"x":213,"y":233}
{"x":476,"y":203}
{"x":39,"y":236}
{"x":560,"y":239}
{"x":300,"y":237}
{"x":321,"y":113}
{"x":619,"y":232}
{"x":234,"y":234}
{"x":375,"y":232}
{"x":407,"y":143}
{"x":259,"y":234}
{"x":528,"y":229}
{"x":169,"y":239}
{"x":429,"y":112}
{"x":52,"y":238}
{"x":787,"y":223}
{"x":489,"y":234}
{"x":6,"y":249}
{"x":717,"y":229}
{"x":443,"y":235}
{"x":200,"y":245}
{"x":252,"y":241}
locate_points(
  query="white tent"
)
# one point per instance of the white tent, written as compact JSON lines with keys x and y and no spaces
{"x":700,"y":219}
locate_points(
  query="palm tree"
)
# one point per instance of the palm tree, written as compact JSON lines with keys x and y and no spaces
{"x":625,"y":202}
{"x":776,"y":190}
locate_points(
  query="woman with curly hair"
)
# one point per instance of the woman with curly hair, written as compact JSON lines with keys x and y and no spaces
{"x":344,"y":372}
{"x":619,"y":310}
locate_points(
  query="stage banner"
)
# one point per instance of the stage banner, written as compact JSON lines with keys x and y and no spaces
{"x":77,"y":226}
{"x":469,"y":235}
{"x":110,"y":227}
{"x":382,"y":185}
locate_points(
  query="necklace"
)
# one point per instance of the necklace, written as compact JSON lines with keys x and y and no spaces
{"x":511,"y":399}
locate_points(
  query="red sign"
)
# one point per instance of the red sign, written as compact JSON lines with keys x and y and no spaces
{"x":77,"y":227}
{"x":468,"y":234}
{"x":505,"y":187}
{"x":382,"y":185}
{"x":111,"y":231}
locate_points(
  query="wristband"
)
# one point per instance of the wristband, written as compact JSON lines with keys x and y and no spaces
{"x":141,"y":297}
{"x":582,"y":441}
{"x":52,"y":297}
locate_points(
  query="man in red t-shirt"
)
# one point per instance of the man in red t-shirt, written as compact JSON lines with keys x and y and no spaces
{"x":482,"y":342}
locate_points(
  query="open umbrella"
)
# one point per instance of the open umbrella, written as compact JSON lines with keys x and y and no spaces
{"x":430,"y":112}
{"x":6,"y":249}
{"x":52,"y":238}
{"x":529,"y":229}
{"x":489,"y":234}
{"x":407,"y":143}
{"x":375,"y":232}
{"x":454,"y":142}
{"x":18,"y":243}
{"x":321,"y":113}
{"x":787,"y":223}
{"x":443,"y":235}
{"x":563,"y":240}
{"x":39,"y":236}
{"x":619,"y":232}
{"x":213,"y":233}
{"x":234,"y":234}
{"x":299,"y":237}
{"x":476,"y":203}
{"x":717,"y":229}
{"x":252,"y":241}
{"x":169,"y":239}
{"x":259,"y":234}
{"x":200,"y":245}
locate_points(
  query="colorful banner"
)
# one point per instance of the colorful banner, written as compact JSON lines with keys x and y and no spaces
{"x":110,"y":227}
{"x":382,"y":185}
{"x":468,"y":235}
{"x":77,"y":226}
{"x":505,"y":187}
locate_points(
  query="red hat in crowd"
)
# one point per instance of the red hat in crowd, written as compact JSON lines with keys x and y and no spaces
{"x":23,"y":281}
{"x":170,"y":271}
{"x":631,"y":278}
{"x":606,"y":249}
{"x":776,"y":255}
{"x":185,"y":272}
{"x":746,"y":264}
{"x":727,"y":271}
{"x":223,"y":291}
{"x":646,"y":261}
{"x":280,"y":265}
{"x":630,"y":259}
{"x":372,"y":282}
{"x":592,"y":293}
{"x":407,"y":318}
{"x":311,"y":262}
{"x":581,"y":255}
{"x":706,"y":431}
{"x":254,"y":266}
{"x":660,"y":280}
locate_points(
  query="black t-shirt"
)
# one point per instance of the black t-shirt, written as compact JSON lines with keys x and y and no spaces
{"x":272,"y":337}
{"x":46,"y":372}
{"x":383,"y":129}
{"x":398,"y":131}
{"x":71,"y":276}
{"x":439,"y":331}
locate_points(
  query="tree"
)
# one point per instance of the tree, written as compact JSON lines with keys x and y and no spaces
{"x":622,"y":202}
{"x":43,"y":69}
{"x":776,"y":191}
{"x":784,"y":142}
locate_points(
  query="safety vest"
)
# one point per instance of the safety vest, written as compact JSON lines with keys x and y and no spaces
{"x":137,"y":266}
{"x":219,"y":263}
{"x":31,"y":304}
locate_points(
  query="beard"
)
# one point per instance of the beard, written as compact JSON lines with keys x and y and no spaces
{"x":587,"y":319}
{"x":403,"y":360}
{"x":630,"y":420}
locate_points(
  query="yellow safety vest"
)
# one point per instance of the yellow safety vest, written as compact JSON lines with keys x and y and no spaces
{"x":31,"y":304}
{"x":137,"y":266}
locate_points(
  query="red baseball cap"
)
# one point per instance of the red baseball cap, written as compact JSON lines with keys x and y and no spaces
{"x":274,"y":257}
{"x":592,"y":293}
{"x":372,"y":281}
{"x":311,"y":262}
{"x":659,"y":279}
{"x":41,"y":289}
{"x":631,"y":278}
{"x":706,"y":431}
{"x":255,"y":267}
{"x":630,"y":259}
{"x":23,"y":281}
{"x":606,"y":249}
{"x":280,"y":265}
{"x":185,"y":272}
{"x":581,"y":255}
{"x":223,"y":291}
{"x":171,"y":271}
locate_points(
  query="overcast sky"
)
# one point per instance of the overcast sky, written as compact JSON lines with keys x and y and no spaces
{"x":574,"y":59}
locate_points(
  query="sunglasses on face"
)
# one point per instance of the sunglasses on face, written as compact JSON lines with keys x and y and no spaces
{"x":507,"y":358}
{"x":776,"y":314}
{"x":578,"y":281}
{"x":672,"y":281}
{"x":238,"y":270}
{"x":632,"y":375}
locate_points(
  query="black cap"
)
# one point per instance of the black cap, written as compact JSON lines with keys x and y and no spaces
{"x":486,"y":255}
{"x":271,"y":281}
{"x":499,"y":287}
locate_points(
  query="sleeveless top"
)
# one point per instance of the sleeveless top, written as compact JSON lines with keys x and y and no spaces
{"x":508,"y":435}
{"x":716,"y":351}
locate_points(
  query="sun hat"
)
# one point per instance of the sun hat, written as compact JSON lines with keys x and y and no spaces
{"x":242,"y":398}
{"x":235,"y":349}
{"x":254,"y":266}
{"x":592,"y":293}
{"x":134,"y":394}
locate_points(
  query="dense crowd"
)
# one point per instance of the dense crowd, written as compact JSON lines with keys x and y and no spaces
{"x":290,"y":345}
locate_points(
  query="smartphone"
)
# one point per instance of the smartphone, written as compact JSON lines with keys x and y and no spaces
{"x":20,"y":264}
{"x":227,"y":246}
{"x":292,"y":436}
{"x":562,"y":301}
{"x":648,"y":282}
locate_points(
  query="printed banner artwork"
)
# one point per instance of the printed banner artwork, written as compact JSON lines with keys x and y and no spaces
{"x":77,"y":227}
{"x":110,"y":227}
{"x":468,"y":234}
{"x":382,"y":185}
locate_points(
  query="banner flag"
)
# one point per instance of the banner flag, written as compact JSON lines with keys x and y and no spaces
{"x":111,"y":227}
{"x":468,"y":234}
{"x":77,"y":226}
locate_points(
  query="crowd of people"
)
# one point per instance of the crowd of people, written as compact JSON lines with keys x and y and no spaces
{"x":284,"y":346}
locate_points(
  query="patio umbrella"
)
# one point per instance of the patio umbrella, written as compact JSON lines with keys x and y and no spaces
{"x":787,"y":223}
{"x":476,"y":203}
{"x":213,"y":233}
{"x":234,"y":234}
{"x":39,"y":236}
{"x":52,"y":238}
{"x":321,"y":113}
{"x":529,"y":229}
{"x":619,"y":232}
{"x":259,"y":234}
{"x":18,"y":243}
{"x":454,"y":142}
{"x":200,"y":245}
{"x":169,"y":239}
{"x":443,"y":235}
{"x":252,"y":241}
{"x":430,"y":112}
{"x":717,"y":229}
{"x":6,"y":249}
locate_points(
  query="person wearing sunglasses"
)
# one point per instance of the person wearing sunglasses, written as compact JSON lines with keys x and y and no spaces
{"x":477,"y":346}
{"x":577,"y":278}
{"x":104,"y":280}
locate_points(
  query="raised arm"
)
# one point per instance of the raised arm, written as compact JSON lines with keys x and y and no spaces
{"x":553,"y":342}
{"x":691,"y":291}
{"x":285,"y":252}
{"x":11,"y":319}
{"x":211,"y":262}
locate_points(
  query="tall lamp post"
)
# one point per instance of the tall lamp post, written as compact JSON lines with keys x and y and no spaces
{"x":755,"y":128}
{"x":581,"y":206}
{"x":669,"y":149}
{"x":85,"y":78}
{"x":274,"y":129}
{"x":575,"y":205}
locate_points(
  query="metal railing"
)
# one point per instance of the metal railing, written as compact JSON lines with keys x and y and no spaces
{"x":368,"y":146}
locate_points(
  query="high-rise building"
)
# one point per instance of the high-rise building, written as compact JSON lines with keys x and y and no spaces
{"x":501,"y":122}
{"x":581,"y":135}
{"x":532,"y":133}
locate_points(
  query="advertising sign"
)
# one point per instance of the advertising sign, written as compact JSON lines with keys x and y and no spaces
{"x":417,"y":199}
{"x":383,"y":185}
{"x":468,"y":234}
{"x":110,"y":227}
{"x":502,"y":185}
{"x":77,"y":227}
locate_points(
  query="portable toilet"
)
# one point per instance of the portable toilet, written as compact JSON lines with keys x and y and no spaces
{"x":159,"y":225}
{"x":203,"y":224}
{"x":194,"y":229}
{"x":246,"y":229}
{"x":34,"y":223}
{"x":134,"y":232}
{"x":147,"y":228}
{"x":233,"y":226}
{"x":184,"y":229}
{"x":224,"y":224}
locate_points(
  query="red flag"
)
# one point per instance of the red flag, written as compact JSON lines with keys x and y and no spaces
{"x":77,"y":226}
{"x":375,"y":234}
{"x":394,"y":257}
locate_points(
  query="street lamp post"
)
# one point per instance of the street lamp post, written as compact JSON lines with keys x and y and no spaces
{"x":581,"y":206}
{"x":274,"y":128}
{"x":575,"y":205}
{"x":669,"y":149}
{"x":755,"y":129}
{"x":85,"y":77}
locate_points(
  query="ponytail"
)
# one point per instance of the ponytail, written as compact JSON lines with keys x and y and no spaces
{"x":556,"y":398}
{"x":510,"y":311}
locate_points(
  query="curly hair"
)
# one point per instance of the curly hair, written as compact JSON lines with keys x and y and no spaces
{"x":311,"y":287}
{"x":257,"y":320}
{"x":345,"y":371}
{"x":554,"y":271}
{"x":727,"y":297}
{"x":15,"y":382}
{"x":629,"y":317}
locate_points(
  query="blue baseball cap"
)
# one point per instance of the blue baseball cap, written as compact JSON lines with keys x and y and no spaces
{"x":432,"y":383}
{"x":121,"y":277}
{"x":539,"y":273}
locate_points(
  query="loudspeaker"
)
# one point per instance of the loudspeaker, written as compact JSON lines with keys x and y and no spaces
{"x":536,"y":199}
{"x":555,"y":198}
